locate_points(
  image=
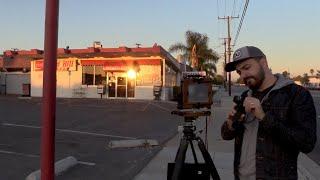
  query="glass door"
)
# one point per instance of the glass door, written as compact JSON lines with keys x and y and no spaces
{"x":121,"y":87}
{"x":130,"y":88}
{"x":111,"y":86}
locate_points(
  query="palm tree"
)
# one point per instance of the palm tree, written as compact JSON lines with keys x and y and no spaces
{"x":286,"y":74}
{"x":196,"y":50}
{"x":305,"y":79}
{"x":311,"y":71}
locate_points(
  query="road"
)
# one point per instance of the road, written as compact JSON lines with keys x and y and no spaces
{"x":315,"y":154}
{"x":84,"y":129}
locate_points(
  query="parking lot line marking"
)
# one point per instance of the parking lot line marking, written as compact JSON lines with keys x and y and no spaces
{"x":144,"y":109}
{"x":36,"y":156}
{"x":70,"y":131}
{"x":87,"y":163}
{"x":19,"y":154}
{"x":163,"y":108}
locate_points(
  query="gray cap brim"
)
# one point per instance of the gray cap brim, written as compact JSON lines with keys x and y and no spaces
{"x":231,"y":66}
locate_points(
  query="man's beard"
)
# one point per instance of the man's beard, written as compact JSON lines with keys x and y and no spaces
{"x":254,"y":82}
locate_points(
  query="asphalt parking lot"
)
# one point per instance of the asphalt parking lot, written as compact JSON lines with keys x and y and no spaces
{"x":84,"y":127}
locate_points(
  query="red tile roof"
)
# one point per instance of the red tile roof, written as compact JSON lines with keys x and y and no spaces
{"x":18,"y":62}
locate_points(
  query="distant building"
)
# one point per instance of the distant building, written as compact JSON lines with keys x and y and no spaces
{"x":15,"y":73}
{"x":96,"y":72}
{"x":314,"y":82}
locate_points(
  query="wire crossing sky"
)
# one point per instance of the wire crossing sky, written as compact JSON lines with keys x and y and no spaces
{"x":288,"y":31}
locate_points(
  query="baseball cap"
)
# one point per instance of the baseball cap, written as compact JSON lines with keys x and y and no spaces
{"x":242,"y":54}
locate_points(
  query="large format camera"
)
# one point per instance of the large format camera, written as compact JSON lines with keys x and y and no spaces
{"x":195,"y":100}
{"x":195,"y":91}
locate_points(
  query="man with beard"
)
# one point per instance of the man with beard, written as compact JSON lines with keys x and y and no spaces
{"x":279,"y":120}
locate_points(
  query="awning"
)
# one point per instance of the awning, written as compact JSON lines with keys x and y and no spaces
{"x":92,"y":62}
{"x":116,"y":66}
{"x":88,"y":62}
{"x":119,"y":65}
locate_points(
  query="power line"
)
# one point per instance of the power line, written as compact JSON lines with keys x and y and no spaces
{"x":218,"y":7}
{"x":218,"y":21}
{"x":235,"y":12}
{"x":240,"y":7}
{"x":233,"y":7}
{"x":241,"y":21}
{"x":225,"y":7}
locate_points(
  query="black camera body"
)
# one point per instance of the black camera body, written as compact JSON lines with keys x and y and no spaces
{"x":238,"y":100}
{"x":240,"y":109}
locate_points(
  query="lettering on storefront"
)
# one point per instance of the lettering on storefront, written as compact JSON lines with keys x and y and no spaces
{"x":62,"y":65}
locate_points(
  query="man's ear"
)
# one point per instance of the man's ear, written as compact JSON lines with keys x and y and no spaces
{"x":264,"y":62}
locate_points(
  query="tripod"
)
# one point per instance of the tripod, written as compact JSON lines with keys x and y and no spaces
{"x":188,"y":137}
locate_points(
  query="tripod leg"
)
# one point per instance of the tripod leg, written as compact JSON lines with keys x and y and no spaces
{"x":179,"y":160}
{"x":208,"y":160}
{"x":193,"y":152}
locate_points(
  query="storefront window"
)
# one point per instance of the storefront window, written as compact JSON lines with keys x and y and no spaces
{"x":100,"y":76}
{"x":93,"y":75}
{"x":87,"y":75}
{"x":149,"y":75}
{"x":171,"y":77}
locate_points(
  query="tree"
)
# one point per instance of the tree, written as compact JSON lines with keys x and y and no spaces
{"x":286,"y":74}
{"x":218,"y":79}
{"x":196,"y":49}
{"x":297,"y":78}
{"x":305,"y":79}
{"x":318,"y":74}
{"x":311,"y":71}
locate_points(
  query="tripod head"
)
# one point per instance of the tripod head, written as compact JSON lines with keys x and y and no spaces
{"x":191,"y":114}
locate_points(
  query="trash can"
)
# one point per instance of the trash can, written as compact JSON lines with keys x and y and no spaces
{"x":157,"y":92}
{"x":25,"y":90}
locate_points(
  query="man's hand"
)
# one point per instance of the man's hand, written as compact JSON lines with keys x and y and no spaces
{"x":230,"y":118}
{"x":253,"y":105}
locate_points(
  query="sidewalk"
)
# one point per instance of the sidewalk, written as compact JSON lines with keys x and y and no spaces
{"x":221,"y":151}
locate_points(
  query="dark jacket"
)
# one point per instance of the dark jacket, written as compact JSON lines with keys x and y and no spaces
{"x":288,"y":128}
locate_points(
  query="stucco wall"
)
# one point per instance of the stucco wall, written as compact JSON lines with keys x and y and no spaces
{"x":144,"y":92}
{"x":67,"y":81}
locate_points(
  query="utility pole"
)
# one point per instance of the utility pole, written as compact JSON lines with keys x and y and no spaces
{"x":229,"y":18}
{"x":225,"y":62}
{"x":49,"y":90}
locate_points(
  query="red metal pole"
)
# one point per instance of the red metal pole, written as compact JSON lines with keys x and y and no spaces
{"x":49,"y":90}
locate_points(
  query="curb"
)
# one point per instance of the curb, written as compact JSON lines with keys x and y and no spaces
{"x":59,"y":167}
{"x":132,"y":143}
{"x":24,"y":97}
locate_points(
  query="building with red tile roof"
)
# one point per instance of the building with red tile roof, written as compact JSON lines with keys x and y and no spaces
{"x":98,"y":72}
